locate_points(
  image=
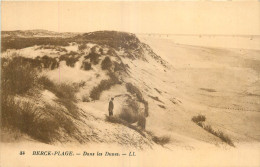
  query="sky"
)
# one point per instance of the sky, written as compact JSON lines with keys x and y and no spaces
{"x":228,"y":18}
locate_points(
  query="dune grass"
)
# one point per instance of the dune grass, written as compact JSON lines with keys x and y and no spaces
{"x":42,"y":123}
{"x":95,"y":93}
{"x":200,"y":119}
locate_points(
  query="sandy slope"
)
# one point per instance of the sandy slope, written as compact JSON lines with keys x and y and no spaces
{"x":215,"y":82}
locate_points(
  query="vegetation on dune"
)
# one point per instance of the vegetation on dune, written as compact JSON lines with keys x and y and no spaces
{"x":155,"y":98}
{"x":135,"y":91}
{"x":19,"y":78}
{"x":113,"y":39}
{"x":86,"y":65}
{"x":94,"y":57}
{"x":106,"y":63}
{"x":48,"y":62}
{"x":64,"y":92}
{"x":19,"y":42}
{"x":200,"y":119}
{"x":104,"y":85}
{"x":130,"y":112}
{"x":53,"y":47}
{"x":70,"y":58}
{"x":162,"y":140}
{"x":82,"y":46}
{"x":120,"y":67}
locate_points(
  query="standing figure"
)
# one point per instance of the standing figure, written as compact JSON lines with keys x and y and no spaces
{"x":111,"y":107}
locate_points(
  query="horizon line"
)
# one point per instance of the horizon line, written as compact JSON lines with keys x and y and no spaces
{"x":151,"y":33}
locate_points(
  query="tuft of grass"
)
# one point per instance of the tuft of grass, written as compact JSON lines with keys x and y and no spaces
{"x":199,"y":118}
{"x":161,"y":140}
{"x":162,"y":106}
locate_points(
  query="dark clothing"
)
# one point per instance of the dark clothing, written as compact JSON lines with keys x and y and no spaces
{"x":110,"y":108}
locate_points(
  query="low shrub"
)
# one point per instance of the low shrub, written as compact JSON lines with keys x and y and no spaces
{"x":86,"y":66}
{"x":94,"y":57}
{"x":70,"y":58}
{"x":48,"y":62}
{"x":111,"y":52}
{"x":106,"y":63}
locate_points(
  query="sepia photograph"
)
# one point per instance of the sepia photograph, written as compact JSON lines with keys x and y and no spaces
{"x":130,"y":83}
